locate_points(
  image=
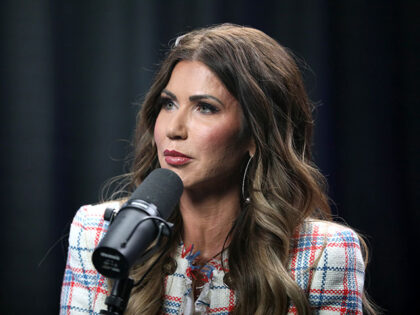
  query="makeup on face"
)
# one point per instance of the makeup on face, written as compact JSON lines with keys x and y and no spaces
{"x":199,"y":129}
{"x":176,"y":158}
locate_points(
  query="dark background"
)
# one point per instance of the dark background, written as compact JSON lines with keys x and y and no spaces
{"x":72,"y":71}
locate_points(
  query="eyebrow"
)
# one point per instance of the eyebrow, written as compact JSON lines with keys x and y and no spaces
{"x":194,"y":97}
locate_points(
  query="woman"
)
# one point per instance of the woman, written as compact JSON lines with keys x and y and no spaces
{"x":229,"y":114}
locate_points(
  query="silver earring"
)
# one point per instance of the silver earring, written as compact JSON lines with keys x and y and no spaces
{"x":247,"y":199}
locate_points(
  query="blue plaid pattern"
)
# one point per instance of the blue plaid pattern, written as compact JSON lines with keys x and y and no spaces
{"x":325,"y":261}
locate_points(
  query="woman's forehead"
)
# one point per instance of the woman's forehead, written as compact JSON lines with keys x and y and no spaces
{"x":195,"y":78}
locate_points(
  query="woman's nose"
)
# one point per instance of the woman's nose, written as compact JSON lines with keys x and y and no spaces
{"x":177,"y":126}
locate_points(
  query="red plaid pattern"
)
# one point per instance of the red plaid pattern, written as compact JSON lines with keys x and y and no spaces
{"x":326,"y":262}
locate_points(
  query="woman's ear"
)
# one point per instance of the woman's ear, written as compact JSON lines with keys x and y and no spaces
{"x":252,"y":147}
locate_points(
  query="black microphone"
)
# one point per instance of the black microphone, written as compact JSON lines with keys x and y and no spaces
{"x":131,"y":233}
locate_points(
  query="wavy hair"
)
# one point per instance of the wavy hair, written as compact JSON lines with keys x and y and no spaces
{"x":283,"y":184}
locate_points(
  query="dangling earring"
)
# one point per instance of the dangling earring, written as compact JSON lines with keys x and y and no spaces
{"x":247,"y":199}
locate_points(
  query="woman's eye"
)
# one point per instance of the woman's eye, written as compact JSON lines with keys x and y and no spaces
{"x":167,"y":103}
{"x":207,"y":108}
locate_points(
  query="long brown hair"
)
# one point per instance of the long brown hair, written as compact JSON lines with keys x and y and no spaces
{"x":283,"y":184}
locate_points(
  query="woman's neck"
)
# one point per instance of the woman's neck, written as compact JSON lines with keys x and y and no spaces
{"x":207,"y":221}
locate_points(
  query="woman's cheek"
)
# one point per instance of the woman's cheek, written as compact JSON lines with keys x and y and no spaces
{"x":158,"y":132}
{"x":226,"y":137}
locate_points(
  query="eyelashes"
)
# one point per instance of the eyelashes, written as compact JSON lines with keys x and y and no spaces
{"x":168,"y":104}
{"x":207,"y":108}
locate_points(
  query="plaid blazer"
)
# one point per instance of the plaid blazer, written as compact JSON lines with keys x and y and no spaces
{"x":326,"y":262}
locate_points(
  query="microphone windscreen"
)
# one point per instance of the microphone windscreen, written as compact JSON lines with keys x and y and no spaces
{"x":163,"y":188}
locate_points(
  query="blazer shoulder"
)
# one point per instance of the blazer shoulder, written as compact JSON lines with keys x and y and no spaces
{"x":89,"y":221}
{"x":84,"y":290}
{"x":332,"y":231}
{"x":94,"y":211}
{"x":323,"y":244}
{"x":326,"y":261}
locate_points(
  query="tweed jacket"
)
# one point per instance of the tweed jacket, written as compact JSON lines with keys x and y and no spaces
{"x":325,"y":261}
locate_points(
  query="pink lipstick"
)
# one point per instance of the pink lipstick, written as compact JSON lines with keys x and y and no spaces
{"x":175,"y":158}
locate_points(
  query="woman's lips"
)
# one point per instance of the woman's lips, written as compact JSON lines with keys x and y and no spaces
{"x":175,"y":158}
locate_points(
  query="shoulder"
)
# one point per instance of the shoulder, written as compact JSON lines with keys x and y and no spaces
{"x":84,"y":289}
{"x":332,"y":240}
{"x":89,"y":222}
{"x":91,"y":214}
{"x":325,"y":232}
{"x":326,"y":261}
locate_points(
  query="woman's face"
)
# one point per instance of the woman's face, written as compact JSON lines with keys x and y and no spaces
{"x":199,"y":132}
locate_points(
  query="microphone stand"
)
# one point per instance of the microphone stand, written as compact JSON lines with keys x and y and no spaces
{"x":118,"y":299}
{"x":120,"y":294}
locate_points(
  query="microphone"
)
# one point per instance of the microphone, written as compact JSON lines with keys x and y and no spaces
{"x":131,"y":233}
